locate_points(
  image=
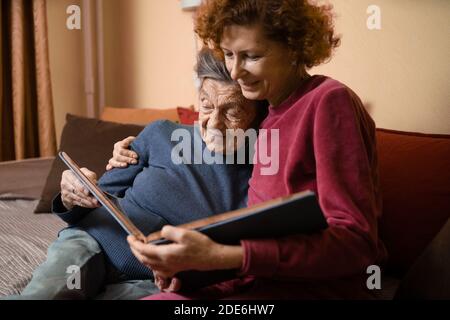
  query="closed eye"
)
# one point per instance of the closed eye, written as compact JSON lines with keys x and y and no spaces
{"x":253,"y":58}
{"x":233,"y":113}
{"x":206,"y":108}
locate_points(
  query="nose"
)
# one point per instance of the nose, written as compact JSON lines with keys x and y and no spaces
{"x":216,"y":120}
{"x":237,"y":69}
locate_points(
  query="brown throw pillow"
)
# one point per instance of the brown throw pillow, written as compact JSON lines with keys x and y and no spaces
{"x":90,"y":143}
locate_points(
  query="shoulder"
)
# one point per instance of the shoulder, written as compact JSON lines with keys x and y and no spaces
{"x":160,"y":132}
{"x":163,"y":128}
{"x":331,"y":95}
{"x":336,"y":103}
{"x":324,"y":88}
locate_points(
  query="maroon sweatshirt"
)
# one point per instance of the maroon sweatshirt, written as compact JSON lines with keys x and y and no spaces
{"x":327,"y":145}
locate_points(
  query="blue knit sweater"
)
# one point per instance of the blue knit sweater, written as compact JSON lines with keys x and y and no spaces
{"x":156,"y":192}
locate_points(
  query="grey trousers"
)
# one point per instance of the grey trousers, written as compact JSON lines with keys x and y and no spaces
{"x":76,"y":268}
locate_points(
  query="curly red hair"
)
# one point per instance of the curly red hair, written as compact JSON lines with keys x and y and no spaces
{"x":305,"y":28}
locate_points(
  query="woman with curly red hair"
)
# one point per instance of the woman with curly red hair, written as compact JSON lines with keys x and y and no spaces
{"x":326,"y":144}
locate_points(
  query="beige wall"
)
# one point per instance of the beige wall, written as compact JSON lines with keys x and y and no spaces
{"x":149,"y":54}
{"x":401,"y":72}
{"x":66,"y":63}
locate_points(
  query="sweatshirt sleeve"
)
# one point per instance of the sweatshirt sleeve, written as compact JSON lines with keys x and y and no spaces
{"x":347,"y":188}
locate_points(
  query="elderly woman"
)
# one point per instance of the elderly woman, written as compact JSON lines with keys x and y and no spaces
{"x":153,"y":192}
{"x":326,"y":144}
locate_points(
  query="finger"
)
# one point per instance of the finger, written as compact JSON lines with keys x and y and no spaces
{"x":89,"y":199}
{"x":158,"y":283}
{"x":79,"y":189}
{"x":164,"y":275}
{"x":138,"y":256}
{"x":129,"y":155}
{"x":78,"y":201}
{"x":151,"y":254}
{"x":108,"y":167}
{"x":141,"y":258}
{"x":175,"y":285}
{"x":132,"y":241}
{"x":120,"y":156}
{"x":127,"y":141}
{"x":81,"y":194}
{"x":67,"y":179}
{"x":66,"y":184}
{"x":164,"y":284}
{"x":90,"y":174}
{"x":161,"y":283}
{"x":175,"y":234}
{"x":74,"y":193}
{"x":66,"y":200}
{"x":70,"y":184}
{"x":151,"y":264}
{"x":117,"y":164}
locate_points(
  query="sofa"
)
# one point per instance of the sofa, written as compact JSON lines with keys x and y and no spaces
{"x":414,"y":175}
{"x":414,"y":171}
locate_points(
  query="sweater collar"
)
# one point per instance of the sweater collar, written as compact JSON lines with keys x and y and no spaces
{"x":296,"y":95}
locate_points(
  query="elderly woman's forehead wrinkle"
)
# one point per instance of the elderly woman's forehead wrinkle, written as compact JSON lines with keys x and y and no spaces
{"x":234,"y":100}
{"x":219,"y":93}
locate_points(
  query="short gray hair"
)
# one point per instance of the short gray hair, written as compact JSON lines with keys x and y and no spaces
{"x":210,"y":66}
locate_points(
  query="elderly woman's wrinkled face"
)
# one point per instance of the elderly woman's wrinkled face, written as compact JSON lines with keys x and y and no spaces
{"x":263,"y":68}
{"x":222,"y":107}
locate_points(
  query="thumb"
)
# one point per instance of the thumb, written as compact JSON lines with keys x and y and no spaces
{"x":128,"y":141}
{"x":90,"y":174}
{"x":174,"y":234}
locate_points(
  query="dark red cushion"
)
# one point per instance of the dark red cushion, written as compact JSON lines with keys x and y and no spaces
{"x":187,"y":116}
{"x":415,"y":181}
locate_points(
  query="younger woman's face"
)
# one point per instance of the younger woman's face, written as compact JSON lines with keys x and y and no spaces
{"x":263,"y":68}
{"x":222,"y":107}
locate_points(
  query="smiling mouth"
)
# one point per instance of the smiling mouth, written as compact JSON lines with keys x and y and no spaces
{"x":248,"y":85}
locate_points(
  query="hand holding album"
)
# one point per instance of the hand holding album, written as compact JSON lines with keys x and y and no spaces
{"x":294,"y":214}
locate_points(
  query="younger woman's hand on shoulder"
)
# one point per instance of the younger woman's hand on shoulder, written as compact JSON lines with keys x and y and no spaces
{"x":122,"y":155}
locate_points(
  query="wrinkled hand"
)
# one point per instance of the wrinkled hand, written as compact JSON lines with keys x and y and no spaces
{"x":74,"y":193}
{"x":122,"y":156}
